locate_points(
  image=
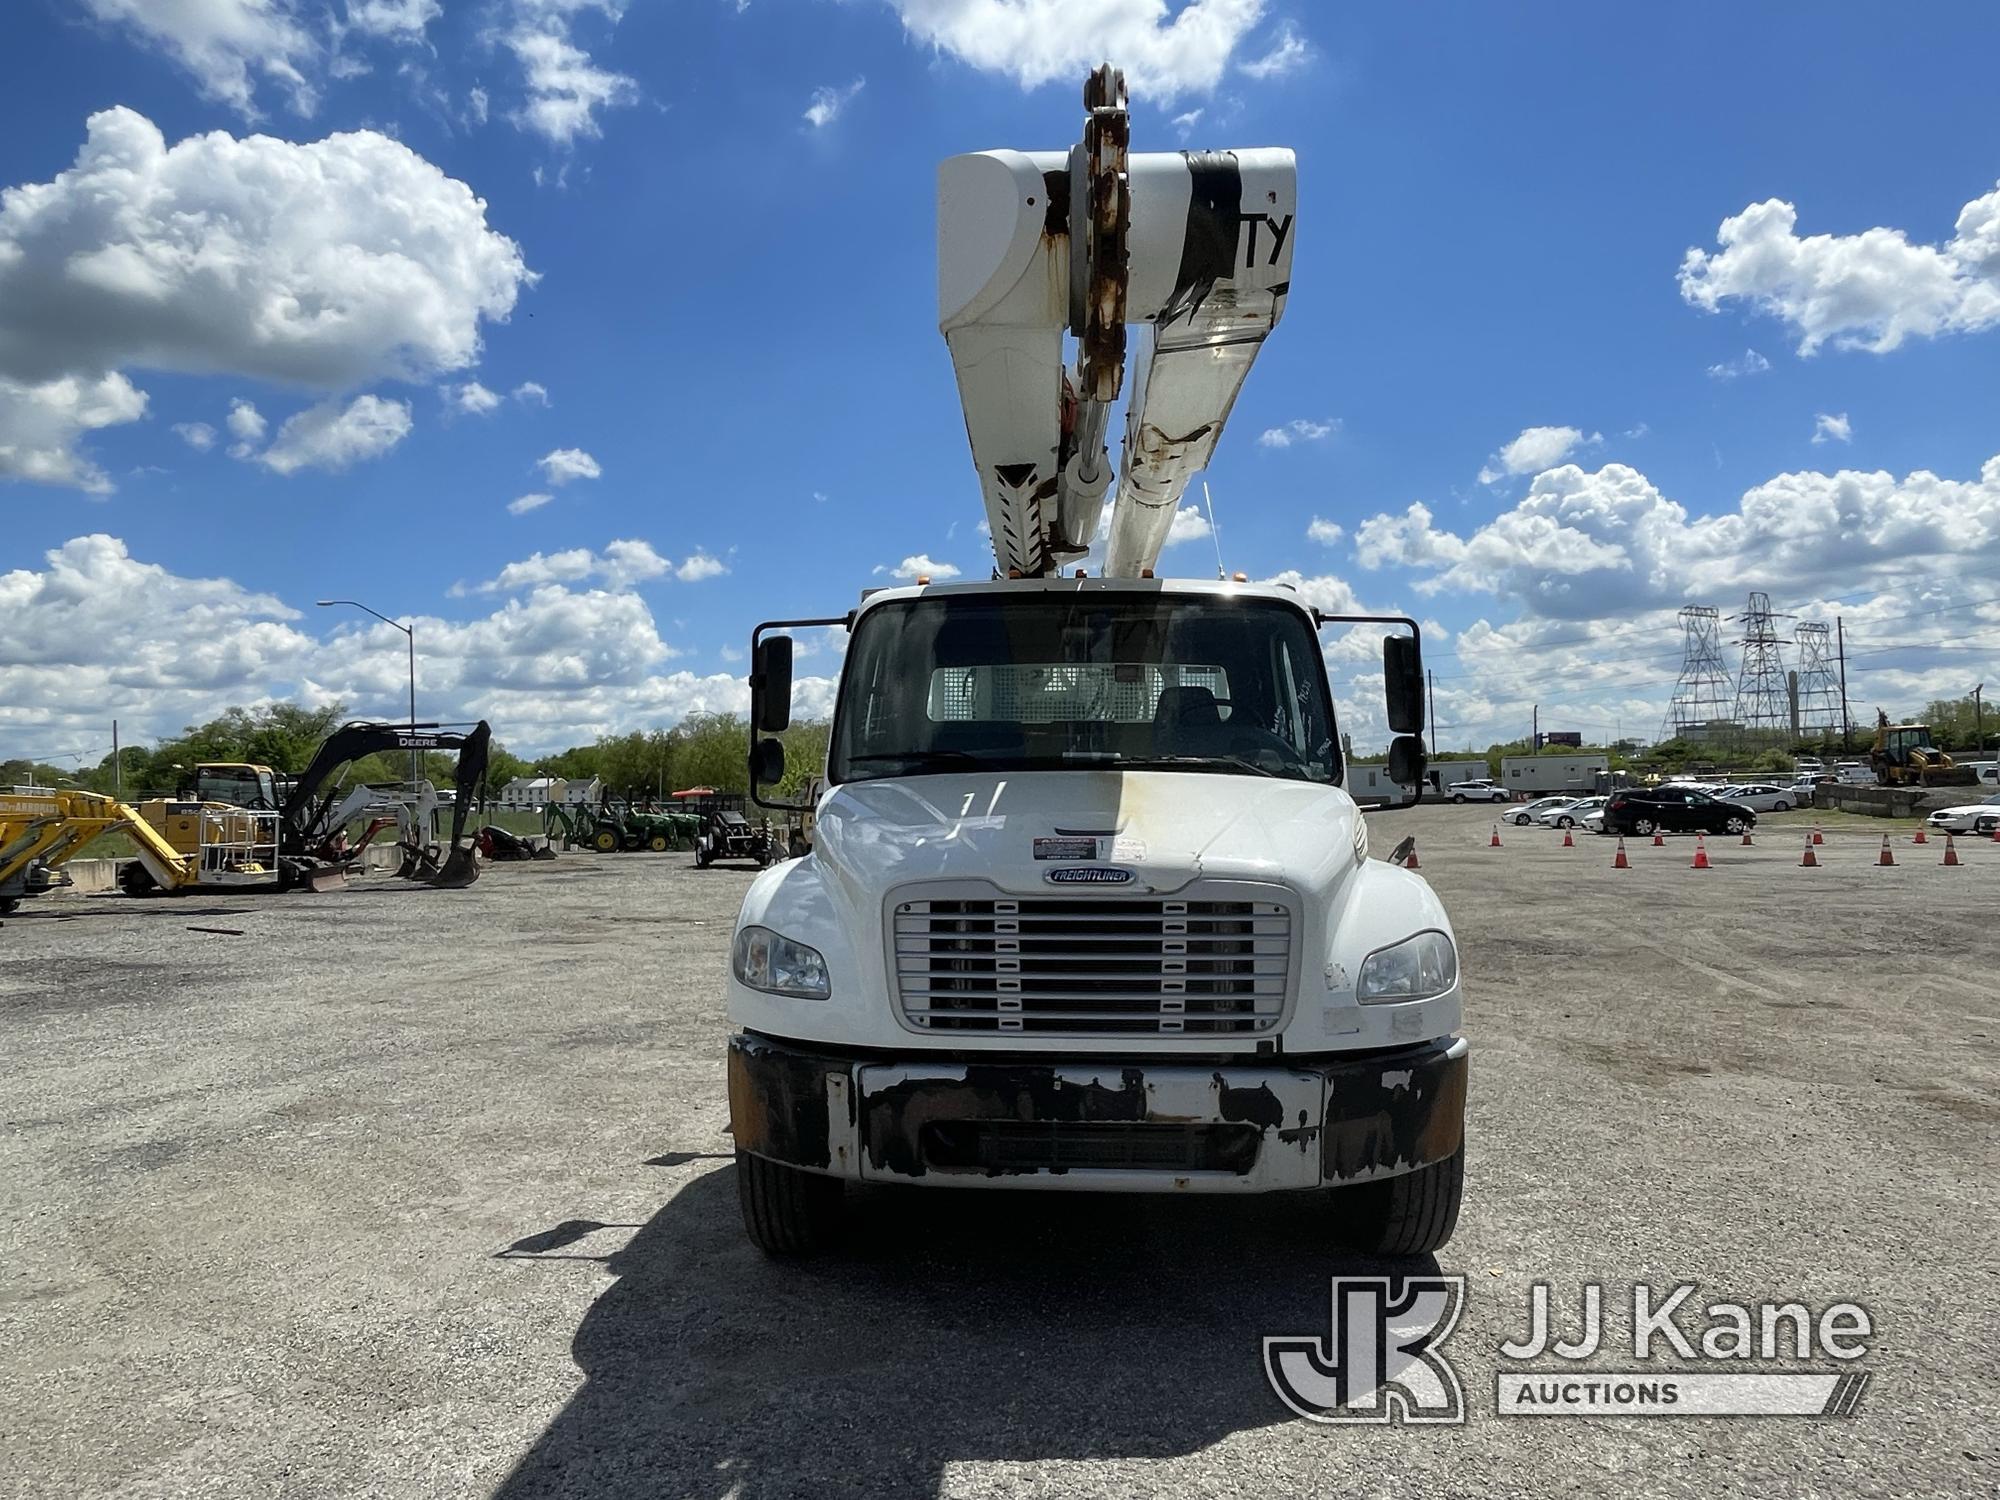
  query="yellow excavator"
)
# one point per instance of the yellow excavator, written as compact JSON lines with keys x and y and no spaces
{"x":1906,"y":755}
{"x":219,"y":789}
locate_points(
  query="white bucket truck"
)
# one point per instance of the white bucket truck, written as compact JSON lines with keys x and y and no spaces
{"x":1088,"y":906}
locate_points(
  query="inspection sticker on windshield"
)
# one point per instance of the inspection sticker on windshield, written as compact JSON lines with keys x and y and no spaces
{"x":1070,"y":848}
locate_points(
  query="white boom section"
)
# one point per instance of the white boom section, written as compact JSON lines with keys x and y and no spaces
{"x":1200,"y":252}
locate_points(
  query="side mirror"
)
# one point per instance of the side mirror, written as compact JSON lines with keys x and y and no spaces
{"x":771,"y":686}
{"x":1407,"y":760}
{"x":1403,"y":684}
{"x":767,"y":762}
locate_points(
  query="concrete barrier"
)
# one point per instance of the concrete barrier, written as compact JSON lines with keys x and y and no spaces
{"x":1894,"y":801}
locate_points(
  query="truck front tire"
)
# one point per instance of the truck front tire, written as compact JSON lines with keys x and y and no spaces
{"x":787,"y":1211}
{"x":1411,"y":1214}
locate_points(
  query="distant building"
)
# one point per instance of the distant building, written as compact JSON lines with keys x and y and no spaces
{"x":533,"y":791}
{"x":582,"y":793}
{"x":1563,"y":737}
{"x":1540,"y":775}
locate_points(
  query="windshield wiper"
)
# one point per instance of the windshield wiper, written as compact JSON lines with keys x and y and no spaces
{"x":1180,"y":763}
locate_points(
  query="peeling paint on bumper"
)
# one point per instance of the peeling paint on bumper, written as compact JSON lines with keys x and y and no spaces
{"x":1118,"y":1125}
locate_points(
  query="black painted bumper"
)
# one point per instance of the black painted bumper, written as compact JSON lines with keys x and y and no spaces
{"x":1156,"y":1124}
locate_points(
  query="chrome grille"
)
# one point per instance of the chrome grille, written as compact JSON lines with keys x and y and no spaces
{"x":1215,"y":963}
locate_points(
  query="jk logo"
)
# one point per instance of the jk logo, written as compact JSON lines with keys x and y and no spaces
{"x":1381,"y":1362}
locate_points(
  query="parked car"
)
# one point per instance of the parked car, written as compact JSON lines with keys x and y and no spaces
{"x":1674,"y":810}
{"x":1573,"y":814}
{"x":1593,"y":822}
{"x":1530,"y":812}
{"x":1981,"y":817}
{"x":1761,"y":796}
{"x":1481,"y":790}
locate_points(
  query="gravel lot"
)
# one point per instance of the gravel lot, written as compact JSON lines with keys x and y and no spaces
{"x":412,"y":1193}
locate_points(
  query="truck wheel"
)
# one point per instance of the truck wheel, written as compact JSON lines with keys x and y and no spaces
{"x":1413,"y":1214}
{"x":657,"y":843}
{"x":787,"y":1211}
{"x":606,"y":842}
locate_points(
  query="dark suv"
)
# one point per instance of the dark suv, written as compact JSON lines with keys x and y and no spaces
{"x":1642,"y":810}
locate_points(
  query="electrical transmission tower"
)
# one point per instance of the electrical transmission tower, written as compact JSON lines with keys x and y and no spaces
{"x":1702,"y":695}
{"x":1763,"y":703}
{"x":1819,"y":687}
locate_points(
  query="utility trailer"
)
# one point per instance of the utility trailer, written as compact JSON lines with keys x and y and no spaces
{"x":1089,"y":905}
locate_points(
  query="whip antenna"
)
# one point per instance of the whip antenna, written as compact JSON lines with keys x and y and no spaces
{"x":1214,"y":530}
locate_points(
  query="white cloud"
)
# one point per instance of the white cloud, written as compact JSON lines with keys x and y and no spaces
{"x":828,"y":103}
{"x":332,"y":436}
{"x":622,"y":564}
{"x":1637,"y":432}
{"x":470,"y":399}
{"x":1034,"y":42}
{"x":393,"y":20}
{"x":93,"y":633}
{"x":1609,"y":545}
{"x":1289,"y":52}
{"x":477,"y":105}
{"x":699,"y":565}
{"x":1537,"y":448}
{"x":246,"y":424}
{"x":920,"y":565}
{"x":1835,"y":429}
{"x":1298,"y":430}
{"x":1870,"y":290}
{"x":1750,"y":362}
{"x":567,"y":90}
{"x":40,"y":423}
{"x":1326,"y":533}
{"x":1189,"y":525}
{"x":1184,"y":124}
{"x":325,"y":265}
{"x":529,"y":391}
{"x":197,"y":435}
{"x":564,"y":464}
{"x":223,"y":43}
{"x":526,"y":503}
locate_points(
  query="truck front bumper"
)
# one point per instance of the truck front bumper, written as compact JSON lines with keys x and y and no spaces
{"x":1138,"y":1125}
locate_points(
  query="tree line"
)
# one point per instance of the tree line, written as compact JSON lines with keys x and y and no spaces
{"x":702,"y":750}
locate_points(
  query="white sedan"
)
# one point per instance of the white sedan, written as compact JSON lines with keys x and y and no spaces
{"x":1531,"y":812}
{"x":1974,"y":817}
{"x":1476,"y":791}
{"x":1573,"y":814}
{"x":1762,"y":797}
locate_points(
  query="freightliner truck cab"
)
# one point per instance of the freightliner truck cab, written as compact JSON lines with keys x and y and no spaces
{"x":1088,"y":906}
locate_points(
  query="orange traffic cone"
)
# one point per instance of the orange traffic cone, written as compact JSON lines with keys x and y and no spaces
{"x":1568,"y":842}
{"x":1818,"y":837}
{"x":1700,"y":854}
{"x":1411,"y":862}
{"x":1659,"y":839}
{"x":1747,"y":840}
{"x":1920,"y":839}
{"x":1950,"y":851}
{"x":1996,"y":833}
{"x":1811,"y":861}
{"x":1888,"y":854}
{"x":1495,"y":842}
{"x":1621,"y":862}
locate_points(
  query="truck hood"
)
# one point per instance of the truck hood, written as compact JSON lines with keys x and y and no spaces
{"x":1017,"y":829}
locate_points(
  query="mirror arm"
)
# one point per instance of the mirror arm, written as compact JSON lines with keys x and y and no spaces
{"x":777,"y":804}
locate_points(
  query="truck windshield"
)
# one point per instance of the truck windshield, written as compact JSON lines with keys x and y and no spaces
{"x":1145,"y":681}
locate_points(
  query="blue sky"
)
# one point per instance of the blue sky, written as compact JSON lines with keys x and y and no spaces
{"x":729,"y":307}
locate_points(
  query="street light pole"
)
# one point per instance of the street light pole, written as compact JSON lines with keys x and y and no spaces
{"x":416,"y":755}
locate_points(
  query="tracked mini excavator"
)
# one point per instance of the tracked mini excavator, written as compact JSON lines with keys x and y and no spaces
{"x":228,"y":845}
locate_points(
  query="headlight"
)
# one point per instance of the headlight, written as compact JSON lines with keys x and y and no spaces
{"x":1414,"y":969}
{"x":776,"y":965}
